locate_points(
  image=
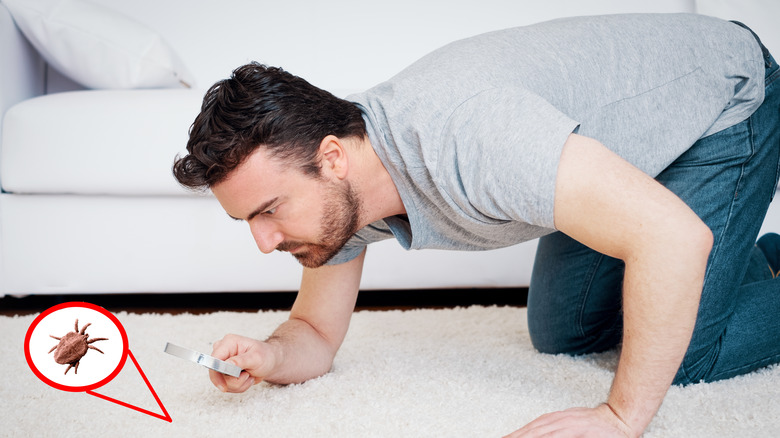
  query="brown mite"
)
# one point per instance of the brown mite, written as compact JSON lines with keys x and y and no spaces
{"x":73,"y":346}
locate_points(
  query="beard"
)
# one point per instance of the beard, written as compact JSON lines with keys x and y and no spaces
{"x":340,"y":221}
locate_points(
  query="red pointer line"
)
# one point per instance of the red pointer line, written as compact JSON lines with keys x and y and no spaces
{"x":165,"y":417}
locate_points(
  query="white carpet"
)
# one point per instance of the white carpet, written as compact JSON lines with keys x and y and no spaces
{"x":426,"y":373}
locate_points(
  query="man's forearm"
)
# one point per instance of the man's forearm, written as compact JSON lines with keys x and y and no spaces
{"x":300,"y":353}
{"x":660,"y":304}
{"x":304,"y":346}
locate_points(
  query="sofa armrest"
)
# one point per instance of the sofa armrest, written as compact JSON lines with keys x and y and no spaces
{"x":24,"y":71}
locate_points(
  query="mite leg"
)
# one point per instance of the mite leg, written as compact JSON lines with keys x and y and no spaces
{"x":83,"y":329}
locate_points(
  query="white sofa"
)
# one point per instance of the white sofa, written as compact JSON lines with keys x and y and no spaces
{"x":88,"y":203}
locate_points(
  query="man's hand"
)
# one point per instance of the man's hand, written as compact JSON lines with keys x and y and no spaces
{"x":255,"y":357}
{"x":303,"y":347}
{"x":595,"y":422}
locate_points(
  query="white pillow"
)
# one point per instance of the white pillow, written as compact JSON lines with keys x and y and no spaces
{"x":98,"y":47}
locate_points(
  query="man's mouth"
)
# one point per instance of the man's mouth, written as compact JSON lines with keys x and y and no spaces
{"x":296,"y":249}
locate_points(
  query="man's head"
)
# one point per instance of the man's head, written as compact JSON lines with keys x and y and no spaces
{"x":261,"y":106}
{"x":286,"y":210}
{"x":271,"y":147}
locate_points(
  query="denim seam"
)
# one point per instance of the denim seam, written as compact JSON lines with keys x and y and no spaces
{"x":771,"y":78}
{"x":586,"y":289}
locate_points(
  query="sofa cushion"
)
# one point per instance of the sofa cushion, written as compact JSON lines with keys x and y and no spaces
{"x":97,"y":142}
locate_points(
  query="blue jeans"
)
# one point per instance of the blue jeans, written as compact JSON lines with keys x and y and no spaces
{"x":728,"y":179}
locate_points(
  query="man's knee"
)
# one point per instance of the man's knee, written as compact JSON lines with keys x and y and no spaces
{"x":550,"y":341}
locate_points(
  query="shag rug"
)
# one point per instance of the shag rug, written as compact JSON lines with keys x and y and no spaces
{"x":465,"y":372}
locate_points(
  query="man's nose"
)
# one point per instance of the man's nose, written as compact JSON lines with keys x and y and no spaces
{"x":266,"y":236}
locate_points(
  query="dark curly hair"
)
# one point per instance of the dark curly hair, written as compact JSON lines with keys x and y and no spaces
{"x":262,"y":106}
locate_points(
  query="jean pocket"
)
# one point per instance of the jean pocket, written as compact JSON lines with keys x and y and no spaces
{"x":772,"y":75}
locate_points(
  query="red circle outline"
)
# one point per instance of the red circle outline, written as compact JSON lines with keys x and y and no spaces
{"x":109,"y":315}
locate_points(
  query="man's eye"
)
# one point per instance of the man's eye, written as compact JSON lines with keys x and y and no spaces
{"x":270,"y":212}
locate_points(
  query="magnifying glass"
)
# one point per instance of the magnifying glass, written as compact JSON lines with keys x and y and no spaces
{"x":203,"y":359}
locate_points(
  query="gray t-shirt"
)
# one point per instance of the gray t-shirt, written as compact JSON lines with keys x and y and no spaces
{"x":472,"y":133}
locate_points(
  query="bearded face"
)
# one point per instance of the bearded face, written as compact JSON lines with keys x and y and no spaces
{"x":310,"y":216}
{"x":339,"y":222}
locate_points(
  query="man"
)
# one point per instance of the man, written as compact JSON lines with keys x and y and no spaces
{"x":642,"y":149}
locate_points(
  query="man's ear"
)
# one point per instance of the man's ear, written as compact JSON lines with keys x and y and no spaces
{"x":333,"y":156}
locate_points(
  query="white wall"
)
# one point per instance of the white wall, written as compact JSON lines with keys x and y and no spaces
{"x":359,"y":43}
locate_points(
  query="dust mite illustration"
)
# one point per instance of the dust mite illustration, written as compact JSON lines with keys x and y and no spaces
{"x":73,"y":346}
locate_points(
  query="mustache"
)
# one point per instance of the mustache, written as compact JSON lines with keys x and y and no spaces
{"x":288,"y":245}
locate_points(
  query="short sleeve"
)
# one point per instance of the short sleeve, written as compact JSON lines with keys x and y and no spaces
{"x":499,"y":156}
